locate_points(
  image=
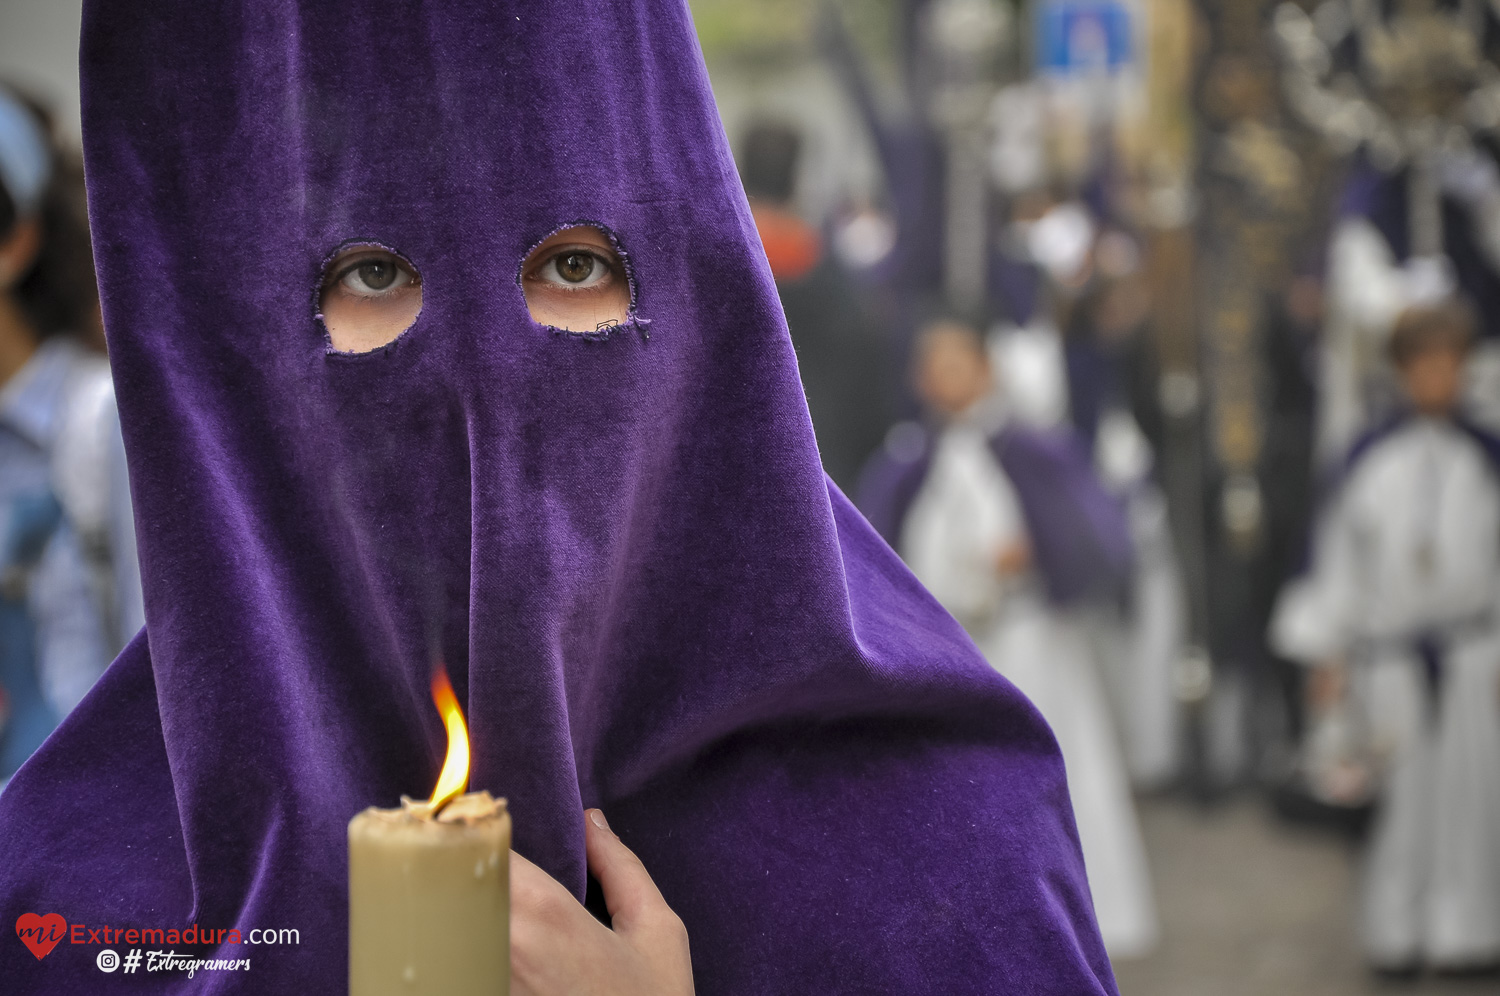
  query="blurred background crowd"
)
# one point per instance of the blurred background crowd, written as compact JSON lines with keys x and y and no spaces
{"x":1160,"y":338}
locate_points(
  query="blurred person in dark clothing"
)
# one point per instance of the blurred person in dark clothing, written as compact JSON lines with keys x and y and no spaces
{"x":842,"y":347}
{"x":1377,"y":266}
{"x":66,"y":546}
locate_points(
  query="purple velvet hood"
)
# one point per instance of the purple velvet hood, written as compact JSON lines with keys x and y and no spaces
{"x":649,"y":597}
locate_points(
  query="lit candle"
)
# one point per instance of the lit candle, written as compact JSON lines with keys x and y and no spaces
{"x":429,"y":885}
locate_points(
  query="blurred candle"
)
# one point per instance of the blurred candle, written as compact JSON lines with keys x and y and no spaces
{"x":429,"y":886}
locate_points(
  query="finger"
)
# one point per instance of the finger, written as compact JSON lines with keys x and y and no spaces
{"x":535,"y":895}
{"x":548,"y":928}
{"x":631,"y":897}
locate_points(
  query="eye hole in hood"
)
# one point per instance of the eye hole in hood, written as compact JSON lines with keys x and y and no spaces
{"x":576,"y":280}
{"x":368,"y":296}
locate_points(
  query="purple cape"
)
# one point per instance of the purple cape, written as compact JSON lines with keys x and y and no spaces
{"x":1488,"y":443}
{"x":1079,"y":533}
{"x":648,"y":596}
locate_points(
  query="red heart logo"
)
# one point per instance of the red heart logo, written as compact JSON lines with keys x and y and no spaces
{"x":41,"y":933}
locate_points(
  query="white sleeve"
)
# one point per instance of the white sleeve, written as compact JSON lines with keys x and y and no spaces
{"x":1314,"y":616}
{"x":1365,"y":283}
{"x":955,"y":531}
{"x":958,"y":572}
{"x":71,"y":649}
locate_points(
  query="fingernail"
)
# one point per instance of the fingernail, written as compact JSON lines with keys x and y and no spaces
{"x":597,"y":816}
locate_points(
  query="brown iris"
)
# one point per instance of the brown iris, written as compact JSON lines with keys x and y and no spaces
{"x":575,"y":280}
{"x":378,"y":274}
{"x":368,"y":296}
{"x":575,"y":267}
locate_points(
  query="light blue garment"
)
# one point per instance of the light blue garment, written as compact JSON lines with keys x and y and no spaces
{"x":53,"y":643}
{"x":33,"y":518}
{"x":25,"y":160}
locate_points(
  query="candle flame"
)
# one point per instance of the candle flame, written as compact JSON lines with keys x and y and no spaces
{"x":455,"y":773}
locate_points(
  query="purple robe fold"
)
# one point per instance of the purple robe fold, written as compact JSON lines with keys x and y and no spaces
{"x":646,"y":592}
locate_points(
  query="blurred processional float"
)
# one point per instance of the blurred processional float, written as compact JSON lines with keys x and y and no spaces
{"x":1409,"y":94}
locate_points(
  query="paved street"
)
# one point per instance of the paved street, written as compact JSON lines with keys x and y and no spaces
{"x":1252,"y":907}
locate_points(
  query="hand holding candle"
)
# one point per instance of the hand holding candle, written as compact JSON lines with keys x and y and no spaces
{"x":558,"y":947}
{"x":429,"y":902}
{"x":429,"y":885}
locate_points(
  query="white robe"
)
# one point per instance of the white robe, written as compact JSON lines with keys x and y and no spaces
{"x":964,"y":515}
{"x":1366,"y":292}
{"x":1138,"y":649}
{"x":1411,"y":545}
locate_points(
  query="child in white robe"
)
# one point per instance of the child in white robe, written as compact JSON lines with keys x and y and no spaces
{"x":965,"y":538}
{"x":1398,"y":617}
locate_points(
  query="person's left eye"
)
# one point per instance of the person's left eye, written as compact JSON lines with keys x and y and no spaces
{"x":576,"y":280}
{"x":575,"y":269}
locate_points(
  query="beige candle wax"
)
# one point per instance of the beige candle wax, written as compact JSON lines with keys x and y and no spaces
{"x":429,"y":899}
{"x":429,"y":885}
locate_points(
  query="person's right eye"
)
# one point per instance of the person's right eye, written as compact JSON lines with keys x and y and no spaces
{"x":369,"y":297}
{"x":372,"y":276}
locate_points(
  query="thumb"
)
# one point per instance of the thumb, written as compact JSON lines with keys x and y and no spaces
{"x":632,"y":898}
